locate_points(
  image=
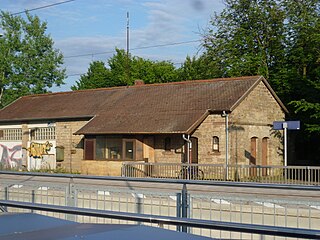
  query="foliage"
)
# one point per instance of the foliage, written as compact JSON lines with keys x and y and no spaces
{"x":277,"y":39}
{"x":246,"y":38}
{"x":198,"y":68}
{"x":28,"y":62}
{"x":303,"y":43}
{"x":96,"y":77}
{"x":123,"y":70}
{"x":280,"y":40}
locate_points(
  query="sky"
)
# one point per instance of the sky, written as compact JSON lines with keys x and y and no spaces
{"x":95,"y":28}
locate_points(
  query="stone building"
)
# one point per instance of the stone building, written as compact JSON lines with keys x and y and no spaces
{"x":95,"y":131}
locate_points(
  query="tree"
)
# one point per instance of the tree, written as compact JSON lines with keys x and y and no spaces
{"x":280,"y":40}
{"x":123,"y":70}
{"x":246,"y":38}
{"x":303,"y":43}
{"x":199,"y":68}
{"x":98,"y":76}
{"x":29,"y":63}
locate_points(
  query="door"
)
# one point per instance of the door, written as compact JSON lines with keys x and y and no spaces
{"x":194,"y":150}
{"x":264,"y":153}
{"x":253,"y":156}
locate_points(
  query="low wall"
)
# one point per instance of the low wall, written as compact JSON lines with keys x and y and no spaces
{"x":101,"y":167}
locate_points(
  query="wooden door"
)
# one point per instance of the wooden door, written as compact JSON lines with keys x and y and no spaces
{"x":253,"y":156}
{"x":194,"y":150}
{"x":264,"y":152}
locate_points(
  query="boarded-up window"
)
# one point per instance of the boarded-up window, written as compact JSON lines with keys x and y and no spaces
{"x":89,"y":149}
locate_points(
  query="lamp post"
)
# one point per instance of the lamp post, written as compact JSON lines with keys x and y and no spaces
{"x":226,"y":116}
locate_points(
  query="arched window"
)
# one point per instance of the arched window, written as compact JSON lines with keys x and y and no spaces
{"x":167,"y":144}
{"x":215,"y":144}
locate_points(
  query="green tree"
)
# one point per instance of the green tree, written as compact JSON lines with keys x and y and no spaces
{"x":246,"y":38}
{"x":97,"y":76}
{"x":123,"y":70}
{"x":279,"y":39}
{"x":28,"y":61}
{"x":199,"y":68}
{"x":303,"y":52}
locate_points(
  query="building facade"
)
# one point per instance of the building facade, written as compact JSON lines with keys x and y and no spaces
{"x":95,"y":131}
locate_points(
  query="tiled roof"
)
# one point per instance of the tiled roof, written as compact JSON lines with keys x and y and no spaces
{"x":154,"y":108}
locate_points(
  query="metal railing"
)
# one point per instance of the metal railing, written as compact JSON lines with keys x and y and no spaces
{"x":173,"y":198}
{"x":304,"y":175}
{"x":176,"y":221}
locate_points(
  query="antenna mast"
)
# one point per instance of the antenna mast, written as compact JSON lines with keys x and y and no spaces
{"x":127,"y":34}
{"x":127,"y":58}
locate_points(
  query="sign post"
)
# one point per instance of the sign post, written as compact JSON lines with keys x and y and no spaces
{"x":285,"y":132}
{"x":285,"y":126}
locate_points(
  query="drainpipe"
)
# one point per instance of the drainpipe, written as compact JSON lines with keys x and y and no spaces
{"x":226,"y":116}
{"x":187,"y":139}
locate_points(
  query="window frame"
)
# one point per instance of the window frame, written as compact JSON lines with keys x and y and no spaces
{"x":124,"y":141}
{"x":43,"y":133}
{"x":92,"y":154}
{"x":11,"y":134}
{"x":215,"y":144}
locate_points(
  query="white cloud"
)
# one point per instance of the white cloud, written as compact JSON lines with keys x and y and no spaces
{"x":165,"y":21}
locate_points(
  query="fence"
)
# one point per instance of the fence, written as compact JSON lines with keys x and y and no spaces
{"x":294,"y":207}
{"x":185,"y":222}
{"x":305,"y":175}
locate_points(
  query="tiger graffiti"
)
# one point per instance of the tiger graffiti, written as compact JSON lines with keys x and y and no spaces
{"x":36,"y":150}
{"x":10,"y":157}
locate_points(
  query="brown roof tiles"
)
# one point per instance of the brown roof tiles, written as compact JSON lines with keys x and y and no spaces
{"x":153,"y":108}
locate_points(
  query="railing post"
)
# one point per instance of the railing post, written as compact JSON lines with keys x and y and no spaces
{"x":308,"y":172}
{"x":179,"y":206}
{"x":184,"y":205}
{"x":122,"y":170}
{"x":71,"y":198}
{"x":6,"y":197}
{"x":33,"y":197}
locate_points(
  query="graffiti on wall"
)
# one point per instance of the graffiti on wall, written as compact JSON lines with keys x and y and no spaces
{"x":36,"y":150}
{"x":10,"y":157}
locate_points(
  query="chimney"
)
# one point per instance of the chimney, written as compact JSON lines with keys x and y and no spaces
{"x":138,"y":82}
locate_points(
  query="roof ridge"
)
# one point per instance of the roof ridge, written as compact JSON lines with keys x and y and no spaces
{"x":148,"y":85}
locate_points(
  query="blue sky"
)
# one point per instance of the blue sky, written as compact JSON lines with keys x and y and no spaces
{"x":97,"y":26}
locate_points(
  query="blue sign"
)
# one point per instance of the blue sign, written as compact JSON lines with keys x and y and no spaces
{"x":291,"y":125}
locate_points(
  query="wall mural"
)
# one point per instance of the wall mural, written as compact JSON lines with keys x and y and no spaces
{"x":36,"y":150}
{"x":10,"y":157}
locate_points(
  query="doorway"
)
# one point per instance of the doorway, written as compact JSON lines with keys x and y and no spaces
{"x":264,"y":153}
{"x":253,"y":156}
{"x":194,"y":150}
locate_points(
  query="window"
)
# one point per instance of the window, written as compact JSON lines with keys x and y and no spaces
{"x":167,"y":144}
{"x":11,"y":134}
{"x":129,"y":149}
{"x":114,"y":148}
{"x":100,"y":147}
{"x":43,"y":133}
{"x":215,"y":144}
{"x":110,"y":147}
